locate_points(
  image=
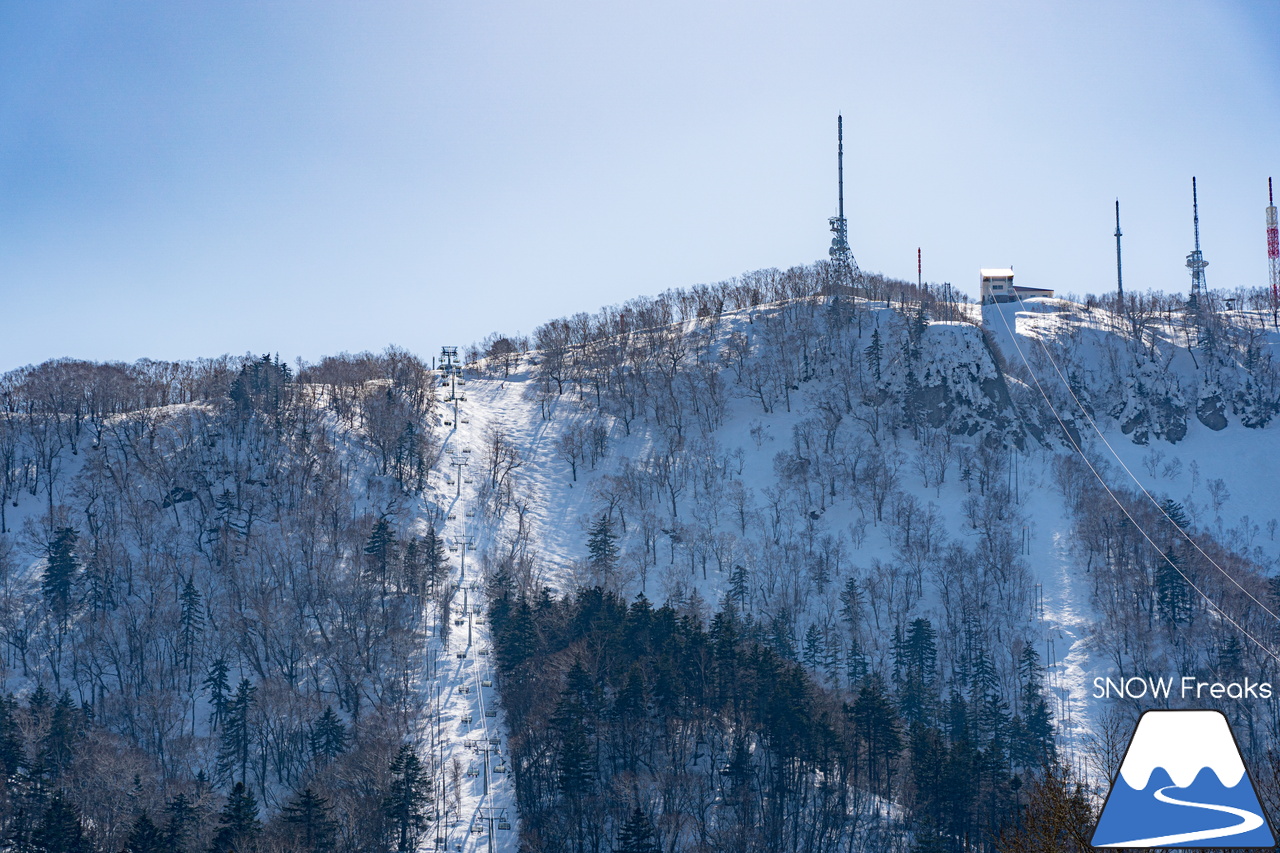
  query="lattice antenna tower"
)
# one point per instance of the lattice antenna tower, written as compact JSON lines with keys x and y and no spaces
{"x":1273,"y":251}
{"x":1195,"y":261}
{"x":841,"y":255}
{"x":1119,"y":277}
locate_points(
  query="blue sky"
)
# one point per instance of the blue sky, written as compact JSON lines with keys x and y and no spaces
{"x":182,"y":179}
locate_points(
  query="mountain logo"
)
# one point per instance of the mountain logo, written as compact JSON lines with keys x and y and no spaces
{"x":1182,"y":783}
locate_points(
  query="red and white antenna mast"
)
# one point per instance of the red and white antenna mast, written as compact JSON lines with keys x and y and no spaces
{"x":1273,"y":253}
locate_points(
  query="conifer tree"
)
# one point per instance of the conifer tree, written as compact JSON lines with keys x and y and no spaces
{"x":874,"y":352}
{"x":328,"y":735}
{"x":60,"y":829}
{"x":636,"y":835}
{"x":238,"y":824}
{"x":191,"y":625}
{"x":309,"y":817}
{"x":180,"y":824}
{"x":219,"y":689}
{"x":60,"y":569}
{"x":380,"y":548}
{"x":236,"y":735}
{"x":602,"y":547}
{"x":145,"y":836}
{"x":406,"y":802}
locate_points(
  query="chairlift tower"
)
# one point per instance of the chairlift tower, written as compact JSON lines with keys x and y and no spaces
{"x":841,"y":255}
{"x":1195,"y":261}
{"x":450,"y":367}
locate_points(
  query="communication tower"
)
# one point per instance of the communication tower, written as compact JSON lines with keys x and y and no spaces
{"x":841,"y":255}
{"x":1273,"y":251}
{"x":1119,"y":277}
{"x":1195,"y":261}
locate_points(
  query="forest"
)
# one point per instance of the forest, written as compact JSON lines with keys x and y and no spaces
{"x":797,"y":602}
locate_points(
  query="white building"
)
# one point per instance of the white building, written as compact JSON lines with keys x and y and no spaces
{"x":997,"y":286}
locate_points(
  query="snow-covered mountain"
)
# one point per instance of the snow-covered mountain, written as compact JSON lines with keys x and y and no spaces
{"x":880,"y":538}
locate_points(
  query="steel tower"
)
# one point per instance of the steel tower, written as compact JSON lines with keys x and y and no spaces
{"x":1119,"y":278}
{"x":1195,"y":261}
{"x":1273,"y":248}
{"x":841,"y":255}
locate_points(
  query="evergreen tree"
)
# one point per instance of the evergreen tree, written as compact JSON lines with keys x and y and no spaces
{"x":1037,"y":747}
{"x":238,"y":824}
{"x":1173,"y":601}
{"x":874,"y":352}
{"x":916,"y":659}
{"x":314,"y":830}
{"x":738,"y":585}
{"x":219,"y":689}
{"x":145,"y":836}
{"x":380,"y":548}
{"x":60,"y":830}
{"x":1176,"y":513}
{"x":180,"y":824}
{"x":812,"y":646}
{"x":876,"y":727}
{"x":407,"y":801}
{"x":328,"y":735}
{"x":190,"y":627}
{"x":60,"y":569}
{"x":435,"y":560}
{"x":236,"y":735}
{"x":11,"y":749}
{"x":636,"y":835}
{"x":66,"y":724}
{"x":602,"y":547}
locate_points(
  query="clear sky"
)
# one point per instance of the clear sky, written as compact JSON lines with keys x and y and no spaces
{"x":188,"y":179}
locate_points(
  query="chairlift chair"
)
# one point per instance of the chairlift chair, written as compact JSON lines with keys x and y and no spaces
{"x":504,"y":824}
{"x":491,"y":712}
{"x":486,"y":683}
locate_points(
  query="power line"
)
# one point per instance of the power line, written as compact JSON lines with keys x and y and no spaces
{"x":1076,"y":446}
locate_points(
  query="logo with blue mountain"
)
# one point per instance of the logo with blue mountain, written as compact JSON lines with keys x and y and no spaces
{"x":1182,"y":783}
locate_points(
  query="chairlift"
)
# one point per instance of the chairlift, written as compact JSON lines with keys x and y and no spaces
{"x":493,"y":741}
{"x":459,"y":622}
{"x":466,"y":420}
{"x":453,"y":516}
{"x":472,"y":773}
{"x":501,"y":768}
{"x":448,"y":423}
{"x":467,"y":718}
{"x":504,"y":824}
{"x":462,"y":655}
{"x":484,"y":653}
{"x":468,"y":481}
{"x":453,"y":548}
{"x":475,"y":830}
{"x":464,"y":688}
{"x":486,"y":683}
{"x":491,"y":712}
{"x":466,"y":450}
{"x":471,"y":513}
